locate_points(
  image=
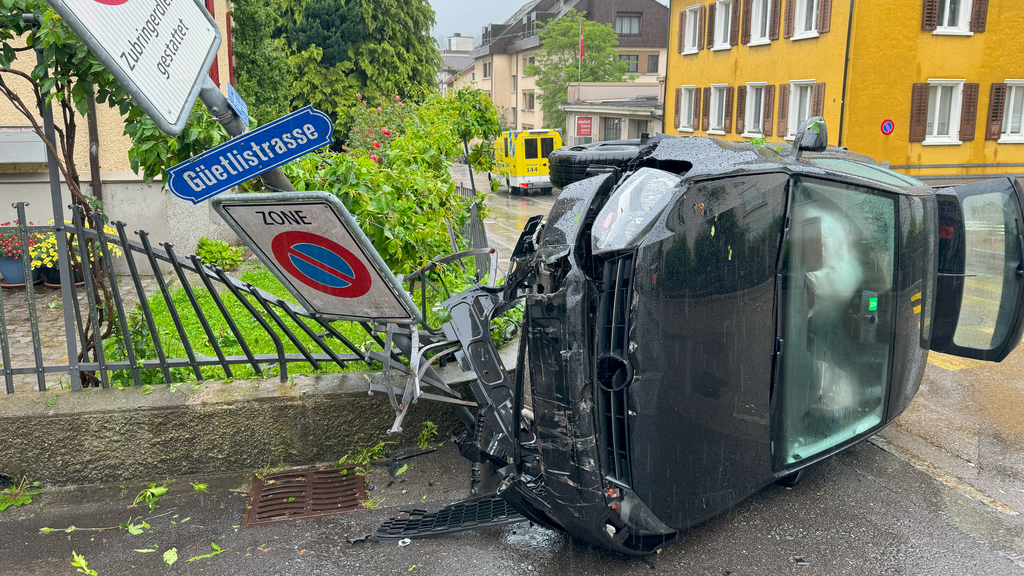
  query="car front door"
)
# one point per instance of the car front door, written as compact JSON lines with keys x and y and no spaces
{"x":979,"y":301}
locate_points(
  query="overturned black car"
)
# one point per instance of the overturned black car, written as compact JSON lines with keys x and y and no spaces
{"x":719,"y":316}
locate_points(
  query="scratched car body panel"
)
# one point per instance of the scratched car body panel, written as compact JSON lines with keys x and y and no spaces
{"x":721,"y":316}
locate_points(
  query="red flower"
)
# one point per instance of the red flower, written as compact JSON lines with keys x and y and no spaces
{"x":373,"y":157}
{"x":376,"y":144}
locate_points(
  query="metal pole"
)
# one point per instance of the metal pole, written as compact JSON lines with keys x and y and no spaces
{"x":217,"y":103}
{"x":64,"y":263}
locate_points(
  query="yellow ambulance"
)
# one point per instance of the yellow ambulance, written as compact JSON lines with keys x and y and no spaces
{"x":522,"y":159}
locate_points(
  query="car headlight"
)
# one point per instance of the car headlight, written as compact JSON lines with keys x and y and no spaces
{"x":631,"y":208}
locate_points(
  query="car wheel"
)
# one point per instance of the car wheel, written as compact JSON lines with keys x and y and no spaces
{"x":568,"y":165}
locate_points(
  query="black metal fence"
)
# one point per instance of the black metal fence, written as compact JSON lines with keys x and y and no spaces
{"x":87,"y":360}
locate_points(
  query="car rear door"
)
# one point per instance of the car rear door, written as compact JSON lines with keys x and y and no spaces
{"x":979,"y":301}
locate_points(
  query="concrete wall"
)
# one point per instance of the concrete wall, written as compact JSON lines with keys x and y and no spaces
{"x":611,"y":91}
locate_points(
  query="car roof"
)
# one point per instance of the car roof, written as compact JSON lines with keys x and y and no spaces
{"x":711,"y":157}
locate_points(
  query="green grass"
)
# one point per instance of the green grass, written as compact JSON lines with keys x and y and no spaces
{"x":255,"y":336}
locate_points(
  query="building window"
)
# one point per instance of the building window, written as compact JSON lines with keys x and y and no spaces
{"x":515,"y":83}
{"x":652,"y":63}
{"x":723,"y":24}
{"x":801,"y":101}
{"x":760,"y":22}
{"x":1013,"y":113}
{"x":612,"y":128}
{"x":805,"y":19}
{"x":692,"y":33}
{"x":487,"y":70}
{"x":954,"y":16}
{"x":526,"y":62}
{"x":718,"y":108}
{"x":627,"y":23}
{"x":634,"y":62}
{"x":686,"y":108}
{"x":472,"y":76}
{"x":753,"y":123}
{"x":944,"y":111}
{"x":529,"y":100}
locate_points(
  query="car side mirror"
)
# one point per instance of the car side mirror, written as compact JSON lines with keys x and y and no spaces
{"x":813,"y":136}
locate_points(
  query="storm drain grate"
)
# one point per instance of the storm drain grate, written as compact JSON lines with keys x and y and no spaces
{"x":306,"y":493}
{"x":477,"y":512}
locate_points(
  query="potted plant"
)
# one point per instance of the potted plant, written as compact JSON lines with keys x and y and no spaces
{"x":11,"y":266}
{"x":44,"y":257}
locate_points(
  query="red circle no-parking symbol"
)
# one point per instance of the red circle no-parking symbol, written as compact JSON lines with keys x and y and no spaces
{"x":321,"y":264}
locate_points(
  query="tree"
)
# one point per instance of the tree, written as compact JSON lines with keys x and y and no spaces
{"x":263,"y":71}
{"x":558,"y":62}
{"x":335,"y":26}
{"x":398,"y":57}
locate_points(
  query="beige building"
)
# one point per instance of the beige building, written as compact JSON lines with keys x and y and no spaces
{"x":601,"y":111}
{"x":23,"y":176}
{"x":506,"y":49}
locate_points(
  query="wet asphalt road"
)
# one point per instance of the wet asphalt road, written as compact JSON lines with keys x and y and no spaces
{"x":939,"y":494}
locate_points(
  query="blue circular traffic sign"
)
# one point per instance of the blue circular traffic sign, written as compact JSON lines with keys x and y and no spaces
{"x":321,"y":264}
{"x":888,"y":126}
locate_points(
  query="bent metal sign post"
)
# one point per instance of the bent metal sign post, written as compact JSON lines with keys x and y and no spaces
{"x":246,"y":157}
{"x":158,"y":50}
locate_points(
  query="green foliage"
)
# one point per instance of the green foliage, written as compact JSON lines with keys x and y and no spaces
{"x":362,"y":457}
{"x":335,"y":25}
{"x":79,"y":561}
{"x":427,"y":435}
{"x":558,"y":62}
{"x":216,"y":550}
{"x":135,"y":529}
{"x":150,"y":496}
{"x":220,"y":253}
{"x":263,"y":70}
{"x":199,"y":488}
{"x":171,"y":556}
{"x":153,"y":152}
{"x":330,"y":90}
{"x":19,"y":496}
{"x":399,"y":55}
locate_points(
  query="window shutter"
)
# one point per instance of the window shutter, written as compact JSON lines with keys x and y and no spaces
{"x":734,"y":32}
{"x":930,"y":15}
{"x":706,"y":120}
{"x":702,"y":16}
{"x":783,"y":110}
{"x":969,"y":112}
{"x":919,"y":112}
{"x":979,"y":15}
{"x":773,"y":32}
{"x":682,"y":31}
{"x":769,"y":110}
{"x":748,"y":7}
{"x":727,"y":121}
{"x":741,"y":108}
{"x":818,"y":99}
{"x":697,"y":92}
{"x":996,"y":106}
{"x":825,"y":15}
{"x":679,"y":102}
{"x":711,"y":26}
{"x":790,"y":8}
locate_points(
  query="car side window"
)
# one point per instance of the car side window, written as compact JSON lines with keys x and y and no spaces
{"x":838,"y":312}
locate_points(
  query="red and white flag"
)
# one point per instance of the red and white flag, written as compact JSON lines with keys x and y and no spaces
{"x":581,"y":40}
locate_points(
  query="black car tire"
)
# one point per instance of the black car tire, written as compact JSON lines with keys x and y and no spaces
{"x":568,"y":165}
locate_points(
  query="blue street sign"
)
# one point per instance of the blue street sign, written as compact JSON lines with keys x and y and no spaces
{"x":250,"y":155}
{"x":238,"y":105}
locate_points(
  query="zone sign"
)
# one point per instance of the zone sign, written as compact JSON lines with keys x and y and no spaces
{"x":314,"y":246}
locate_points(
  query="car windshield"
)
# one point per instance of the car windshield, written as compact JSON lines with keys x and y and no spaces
{"x":838,"y":314}
{"x":867,"y":171}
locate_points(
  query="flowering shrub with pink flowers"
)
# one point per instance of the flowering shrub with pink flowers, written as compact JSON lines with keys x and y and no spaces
{"x":377,"y":121}
{"x":10,"y":241}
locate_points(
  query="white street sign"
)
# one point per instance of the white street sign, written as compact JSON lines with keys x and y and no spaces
{"x":314,"y":246}
{"x":158,"y":50}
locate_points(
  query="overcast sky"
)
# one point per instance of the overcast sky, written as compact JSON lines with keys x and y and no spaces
{"x":468,"y":17}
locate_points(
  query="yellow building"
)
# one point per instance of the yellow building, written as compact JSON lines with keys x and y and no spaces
{"x":934,"y":88}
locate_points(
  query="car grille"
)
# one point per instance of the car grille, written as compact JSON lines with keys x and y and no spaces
{"x":612,"y":370}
